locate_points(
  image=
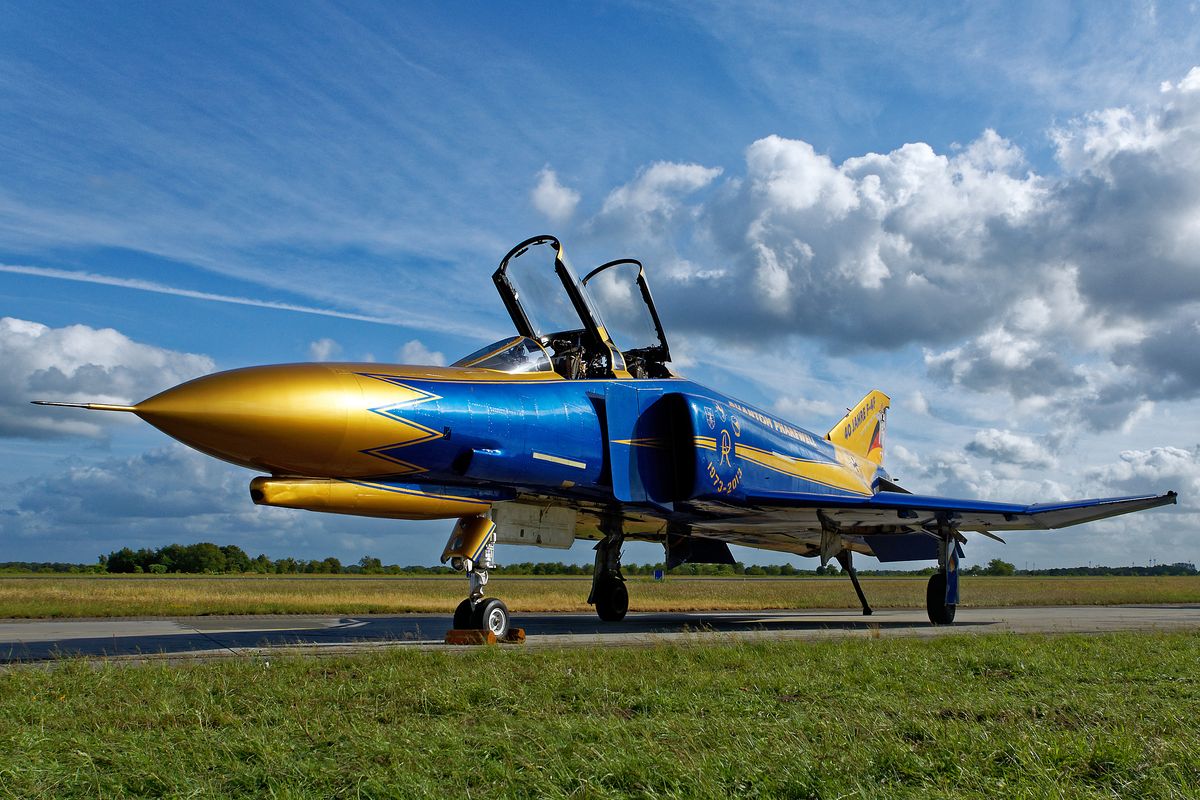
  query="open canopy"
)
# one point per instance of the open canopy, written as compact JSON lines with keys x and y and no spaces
{"x":549,"y":305}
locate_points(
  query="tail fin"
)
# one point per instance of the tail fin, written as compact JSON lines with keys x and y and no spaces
{"x":861,"y":430}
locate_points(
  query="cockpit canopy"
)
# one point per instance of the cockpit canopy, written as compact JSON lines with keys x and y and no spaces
{"x":552,"y":309}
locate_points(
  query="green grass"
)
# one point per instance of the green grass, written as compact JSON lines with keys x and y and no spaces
{"x":989,"y":716}
{"x":111,"y":596}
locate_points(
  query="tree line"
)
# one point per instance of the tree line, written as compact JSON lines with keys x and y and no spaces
{"x":207,"y":558}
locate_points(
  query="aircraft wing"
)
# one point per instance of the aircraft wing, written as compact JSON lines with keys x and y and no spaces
{"x":895,"y":526}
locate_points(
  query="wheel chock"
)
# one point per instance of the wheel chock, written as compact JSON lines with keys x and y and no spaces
{"x":470,"y":636}
{"x":473,"y":636}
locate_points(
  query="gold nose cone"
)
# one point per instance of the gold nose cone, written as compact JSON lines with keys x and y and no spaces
{"x":290,"y":418}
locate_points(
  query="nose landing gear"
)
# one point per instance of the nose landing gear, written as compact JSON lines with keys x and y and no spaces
{"x":471,"y":548}
{"x":609,"y":594}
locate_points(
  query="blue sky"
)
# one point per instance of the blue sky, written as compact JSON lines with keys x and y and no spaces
{"x":988,"y":211}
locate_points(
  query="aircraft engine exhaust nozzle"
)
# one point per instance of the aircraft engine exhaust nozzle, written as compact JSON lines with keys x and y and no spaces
{"x":363,"y":498}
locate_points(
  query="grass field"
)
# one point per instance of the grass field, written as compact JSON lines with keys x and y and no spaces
{"x":106,"y":596}
{"x":988,"y":716}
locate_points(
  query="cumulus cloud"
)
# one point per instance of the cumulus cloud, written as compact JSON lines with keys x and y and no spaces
{"x":1010,"y":448}
{"x":168,"y":483}
{"x":415,"y":352}
{"x":324,"y":349}
{"x":651,"y":205}
{"x":1068,"y":291}
{"x":555,"y":201}
{"x":1152,"y":471}
{"x":175,"y":494}
{"x":77,"y":363}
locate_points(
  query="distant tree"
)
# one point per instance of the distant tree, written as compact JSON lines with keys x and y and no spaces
{"x":202,"y":557}
{"x":123,"y":560}
{"x":236,"y":559}
{"x":331,"y":566}
{"x":370,"y":565}
{"x":158,"y":569}
{"x":998,"y":567}
{"x":262,"y":565}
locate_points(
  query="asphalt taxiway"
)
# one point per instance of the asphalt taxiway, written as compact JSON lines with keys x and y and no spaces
{"x":188,"y":638}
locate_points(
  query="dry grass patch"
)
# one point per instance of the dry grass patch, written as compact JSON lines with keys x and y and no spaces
{"x":110,"y":596}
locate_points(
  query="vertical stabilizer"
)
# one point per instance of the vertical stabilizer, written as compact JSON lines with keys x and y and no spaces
{"x":861,"y":431}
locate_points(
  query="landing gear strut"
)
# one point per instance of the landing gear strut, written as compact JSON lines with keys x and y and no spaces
{"x":609,"y":594}
{"x":941,"y":595}
{"x":846,"y":559}
{"x":471,"y":548}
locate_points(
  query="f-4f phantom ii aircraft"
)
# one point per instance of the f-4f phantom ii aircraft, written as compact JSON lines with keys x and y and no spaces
{"x":564,"y":432}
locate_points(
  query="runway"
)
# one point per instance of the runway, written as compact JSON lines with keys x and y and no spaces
{"x":192,"y":638}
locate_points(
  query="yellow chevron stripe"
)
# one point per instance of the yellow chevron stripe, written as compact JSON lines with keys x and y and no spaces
{"x":834,"y":475}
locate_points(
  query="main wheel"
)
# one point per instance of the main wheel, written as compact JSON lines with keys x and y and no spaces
{"x":612,"y":599}
{"x":462,"y":615}
{"x":935,"y":600}
{"x":491,"y":615}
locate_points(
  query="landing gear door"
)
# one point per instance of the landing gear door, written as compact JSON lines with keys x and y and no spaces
{"x":620,"y":291}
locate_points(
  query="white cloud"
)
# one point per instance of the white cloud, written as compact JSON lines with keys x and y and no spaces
{"x":175,"y":494}
{"x":554,"y":200}
{"x":325,"y":349}
{"x":1153,"y":471}
{"x":652,"y":204}
{"x":658,"y":188}
{"x":918,"y":403}
{"x":415,"y":352}
{"x":1071,"y":293}
{"x":1006,"y":447}
{"x":77,"y":363}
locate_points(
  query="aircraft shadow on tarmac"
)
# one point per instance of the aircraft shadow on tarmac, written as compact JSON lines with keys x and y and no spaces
{"x":429,"y":628}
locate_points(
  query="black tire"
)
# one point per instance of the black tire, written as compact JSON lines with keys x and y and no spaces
{"x":612,"y":599}
{"x":463,"y":614}
{"x":491,"y":615}
{"x":935,"y":600}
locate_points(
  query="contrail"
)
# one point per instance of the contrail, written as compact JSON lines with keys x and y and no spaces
{"x":151,"y":286}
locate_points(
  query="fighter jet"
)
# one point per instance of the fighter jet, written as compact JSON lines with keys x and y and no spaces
{"x":564,"y":431}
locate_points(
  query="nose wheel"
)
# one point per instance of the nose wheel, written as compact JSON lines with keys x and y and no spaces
{"x":471,"y":549}
{"x":609,"y":594}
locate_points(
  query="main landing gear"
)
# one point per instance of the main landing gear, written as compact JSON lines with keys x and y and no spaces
{"x":941,"y":594}
{"x":471,"y":548}
{"x":609,"y":594}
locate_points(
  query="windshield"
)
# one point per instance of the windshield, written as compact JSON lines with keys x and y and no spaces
{"x":519,"y":354}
